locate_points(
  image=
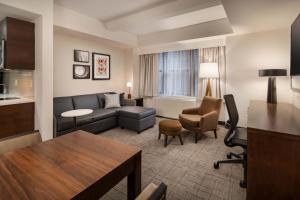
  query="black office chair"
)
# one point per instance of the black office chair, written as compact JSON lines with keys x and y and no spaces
{"x":235,"y":137}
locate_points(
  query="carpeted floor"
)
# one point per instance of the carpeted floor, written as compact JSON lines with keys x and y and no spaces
{"x":187,"y":170}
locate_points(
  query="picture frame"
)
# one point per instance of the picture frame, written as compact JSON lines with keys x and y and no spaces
{"x":81,"y":71}
{"x":101,"y":66}
{"x":81,"y":56}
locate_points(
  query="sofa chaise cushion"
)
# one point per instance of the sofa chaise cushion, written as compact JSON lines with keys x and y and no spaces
{"x":136,"y":112}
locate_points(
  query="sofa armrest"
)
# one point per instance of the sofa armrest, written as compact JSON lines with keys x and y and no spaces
{"x":130,"y":102}
{"x":191,"y":111}
{"x":209,"y":121}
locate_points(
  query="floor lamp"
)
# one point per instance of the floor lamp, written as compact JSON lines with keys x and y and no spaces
{"x":208,"y":71}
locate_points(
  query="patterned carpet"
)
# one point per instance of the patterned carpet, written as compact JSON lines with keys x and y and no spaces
{"x":187,"y":170}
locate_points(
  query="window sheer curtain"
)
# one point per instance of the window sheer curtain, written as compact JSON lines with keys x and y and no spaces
{"x":178,"y":73}
{"x":214,"y":54}
{"x":148,"y":78}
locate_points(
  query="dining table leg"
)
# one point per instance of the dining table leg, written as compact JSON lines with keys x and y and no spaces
{"x":134,"y":179}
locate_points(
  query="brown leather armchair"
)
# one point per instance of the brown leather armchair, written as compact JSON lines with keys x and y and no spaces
{"x":203,"y":118}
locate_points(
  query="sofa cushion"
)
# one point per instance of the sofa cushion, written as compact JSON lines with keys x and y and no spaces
{"x":101,"y":99}
{"x":85,"y":119}
{"x":64,"y":123}
{"x":136,"y":112}
{"x":86,"y":102}
{"x":62,"y":104}
{"x":103,"y":114}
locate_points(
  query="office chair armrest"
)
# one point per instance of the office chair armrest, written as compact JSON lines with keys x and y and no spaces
{"x":209,"y":121}
{"x":191,"y":111}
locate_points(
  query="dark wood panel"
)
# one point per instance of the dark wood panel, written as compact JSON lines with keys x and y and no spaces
{"x":78,"y":165}
{"x":20,"y":55}
{"x":273,"y":151}
{"x":19,"y":30}
{"x":20,"y":43}
{"x":16,"y":118}
{"x":280,"y":117}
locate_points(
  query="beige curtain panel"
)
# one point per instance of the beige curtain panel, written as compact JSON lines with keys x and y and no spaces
{"x":148,"y":73}
{"x":216,"y":55}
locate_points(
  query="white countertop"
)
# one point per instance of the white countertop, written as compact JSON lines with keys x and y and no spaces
{"x":15,"y":101}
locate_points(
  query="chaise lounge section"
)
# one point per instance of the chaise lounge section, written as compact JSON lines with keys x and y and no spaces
{"x":136,"y":118}
{"x":127,"y":116}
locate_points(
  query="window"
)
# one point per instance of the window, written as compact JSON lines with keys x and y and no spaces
{"x":178,"y":73}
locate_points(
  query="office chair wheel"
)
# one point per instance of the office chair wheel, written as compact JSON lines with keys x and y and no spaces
{"x":243,"y":184}
{"x":229,"y":156}
{"x":216,"y":165}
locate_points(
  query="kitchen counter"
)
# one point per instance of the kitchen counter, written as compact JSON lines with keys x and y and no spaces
{"x":16,"y":101}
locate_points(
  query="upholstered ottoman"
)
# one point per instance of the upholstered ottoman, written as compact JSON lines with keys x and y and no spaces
{"x":170,"y":128}
{"x":136,"y":118}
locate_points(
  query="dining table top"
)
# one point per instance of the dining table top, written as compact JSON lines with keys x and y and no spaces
{"x":64,"y":167}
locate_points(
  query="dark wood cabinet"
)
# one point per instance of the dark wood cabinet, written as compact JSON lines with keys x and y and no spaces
{"x":16,"y":118}
{"x":273,"y":151}
{"x":19,"y":46}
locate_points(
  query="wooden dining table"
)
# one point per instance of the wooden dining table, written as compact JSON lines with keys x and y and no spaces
{"x":78,"y":165}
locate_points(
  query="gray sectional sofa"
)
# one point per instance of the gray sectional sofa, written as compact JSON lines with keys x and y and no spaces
{"x":127,"y":116}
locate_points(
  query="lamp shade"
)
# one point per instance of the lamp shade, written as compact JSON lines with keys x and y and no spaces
{"x":129,"y":84}
{"x":209,"y":70}
{"x":272,"y":72}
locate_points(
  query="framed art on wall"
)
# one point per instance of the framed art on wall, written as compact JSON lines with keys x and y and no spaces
{"x":101,"y":66}
{"x":81,"y":56}
{"x":81,"y":71}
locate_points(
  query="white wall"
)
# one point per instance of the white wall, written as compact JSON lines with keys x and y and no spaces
{"x":246,"y":54}
{"x":65,"y":85}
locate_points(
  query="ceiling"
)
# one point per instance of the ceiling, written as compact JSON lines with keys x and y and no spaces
{"x":105,"y":10}
{"x":177,"y":20}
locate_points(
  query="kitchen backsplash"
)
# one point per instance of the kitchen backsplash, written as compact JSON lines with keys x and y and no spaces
{"x":18,"y":83}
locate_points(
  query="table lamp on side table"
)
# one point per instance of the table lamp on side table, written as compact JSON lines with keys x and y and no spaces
{"x":272,"y":73}
{"x":129,"y":85}
{"x":208,"y":71}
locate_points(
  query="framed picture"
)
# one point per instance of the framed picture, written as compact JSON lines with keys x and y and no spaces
{"x":101,"y":66}
{"x":81,"y":71}
{"x":81,"y":56}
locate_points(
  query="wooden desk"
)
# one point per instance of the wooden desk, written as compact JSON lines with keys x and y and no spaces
{"x":273,"y":151}
{"x":78,"y":165}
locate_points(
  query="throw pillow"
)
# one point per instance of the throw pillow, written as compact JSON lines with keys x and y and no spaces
{"x":112,"y":100}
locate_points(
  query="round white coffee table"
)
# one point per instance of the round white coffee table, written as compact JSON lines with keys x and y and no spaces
{"x":76,"y":113}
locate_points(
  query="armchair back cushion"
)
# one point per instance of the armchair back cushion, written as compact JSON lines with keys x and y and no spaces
{"x":210,"y":104}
